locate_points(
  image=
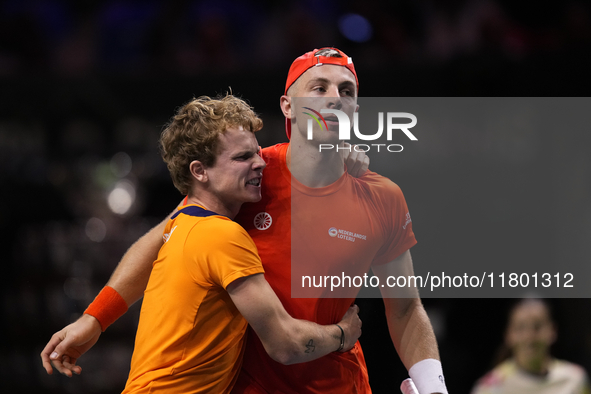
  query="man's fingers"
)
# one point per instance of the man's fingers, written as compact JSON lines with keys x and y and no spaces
{"x":58,"y":365}
{"x":355,"y":159}
{"x":345,"y":151}
{"x":357,"y":162}
{"x":47,"y":365}
{"x":62,"y":347}
{"x":66,"y":366}
{"x":49,"y":350}
{"x":352,"y":162}
{"x":352,"y":311}
{"x":365,"y":165}
{"x":46,"y":361}
{"x":359,"y":321}
{"x":408,"y":387}
{"x":361,"y":165}
{"x":71,"y":365}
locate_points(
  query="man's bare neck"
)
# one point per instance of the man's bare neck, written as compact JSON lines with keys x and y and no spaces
{"x":311,"y":167}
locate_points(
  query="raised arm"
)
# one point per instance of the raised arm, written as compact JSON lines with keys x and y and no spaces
{"x":288,"y":340}
{"x":409,"y":325}
{"x":129,"y":280}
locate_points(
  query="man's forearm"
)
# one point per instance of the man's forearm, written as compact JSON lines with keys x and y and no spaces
{"x":130,"y":278}
{"x":320,"y":339}
{"x":411,"y":331}
{"x":288,"y":340}
{"x":408,"y":323}
{"x":305,"y":341}
{"x":416,"y":344}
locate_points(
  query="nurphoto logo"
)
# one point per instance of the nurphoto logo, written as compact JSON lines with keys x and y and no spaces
{"x":345,"y":128}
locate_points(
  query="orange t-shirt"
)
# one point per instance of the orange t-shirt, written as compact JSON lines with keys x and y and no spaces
{"x":190,"y":337}
{"x":349,"y":226}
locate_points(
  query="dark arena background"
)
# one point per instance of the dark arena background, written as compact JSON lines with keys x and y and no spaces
{"x":85,"y":88}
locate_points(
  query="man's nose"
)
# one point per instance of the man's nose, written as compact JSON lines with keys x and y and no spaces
{"x":334,"y":99}
{"x":259,"y":163}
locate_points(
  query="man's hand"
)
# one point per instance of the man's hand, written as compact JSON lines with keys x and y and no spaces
{"x":67,"y":345}
{"x":408,"y":387}
{"x":351,"y":325}
{"x":357,"y":162}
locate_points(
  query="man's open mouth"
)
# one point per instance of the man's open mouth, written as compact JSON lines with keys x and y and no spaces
{"x":254,"y":182}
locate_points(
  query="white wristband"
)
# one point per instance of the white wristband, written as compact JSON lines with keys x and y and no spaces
{"x":427,"y":375}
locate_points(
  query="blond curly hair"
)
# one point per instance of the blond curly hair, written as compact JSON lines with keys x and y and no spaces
{"x":192,"y":134}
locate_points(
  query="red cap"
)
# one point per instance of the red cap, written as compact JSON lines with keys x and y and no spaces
{"x":308,"y":60}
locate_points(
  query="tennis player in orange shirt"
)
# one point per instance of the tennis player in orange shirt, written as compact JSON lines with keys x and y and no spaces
{"x":296,"y":169}
{"x":207,"y":283}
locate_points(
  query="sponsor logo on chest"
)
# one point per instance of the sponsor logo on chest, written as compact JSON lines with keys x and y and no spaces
{"x":262,"y":221}
{"x":346,"y":235}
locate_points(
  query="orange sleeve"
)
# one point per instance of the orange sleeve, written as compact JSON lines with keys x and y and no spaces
{"x":396,"y":219}
{"x":231,"y":253}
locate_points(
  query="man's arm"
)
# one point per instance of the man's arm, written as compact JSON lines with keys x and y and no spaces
{"x":288,"y":340}
{"x":408,"y":323}
{"x":129,"y":279}
{"x":65,"y":346}
{"x":131,"y":276}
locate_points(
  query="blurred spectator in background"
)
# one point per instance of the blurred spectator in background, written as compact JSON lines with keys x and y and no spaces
{"x":526,"y":365}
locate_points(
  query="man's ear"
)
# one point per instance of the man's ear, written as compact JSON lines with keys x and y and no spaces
{"x":285,"y":103}
{"x":198,"y":171}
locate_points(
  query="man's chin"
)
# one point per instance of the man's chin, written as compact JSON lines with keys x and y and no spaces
{"x":255,"y":198}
